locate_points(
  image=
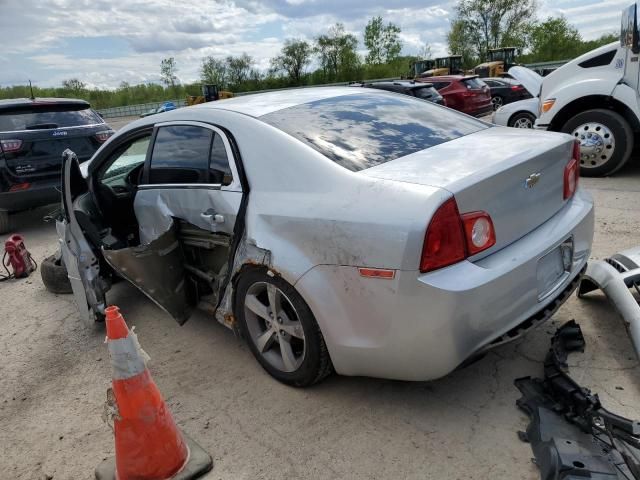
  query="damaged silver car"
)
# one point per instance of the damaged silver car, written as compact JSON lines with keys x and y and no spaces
{"x":340,"y":229}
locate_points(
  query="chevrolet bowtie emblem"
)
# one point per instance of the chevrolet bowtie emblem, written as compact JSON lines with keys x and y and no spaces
{"x":532,"y":179}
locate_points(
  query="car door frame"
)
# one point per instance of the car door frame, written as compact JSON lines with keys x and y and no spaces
{"x":239,"y":185}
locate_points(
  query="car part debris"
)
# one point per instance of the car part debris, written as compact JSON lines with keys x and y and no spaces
{"x":571,"y":434}
{"x":615,"y":276}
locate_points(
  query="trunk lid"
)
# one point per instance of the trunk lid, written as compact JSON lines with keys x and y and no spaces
{"x":516,"y":177}
{"x":528,"y":78}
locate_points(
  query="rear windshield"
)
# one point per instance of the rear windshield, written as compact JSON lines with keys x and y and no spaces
{"x":366,"y":129}
{"x":473,"y":83}
{"x":47,"y":117}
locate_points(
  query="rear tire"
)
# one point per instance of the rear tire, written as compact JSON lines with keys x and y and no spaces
{"x":308,"y":360}
{"x":54,"y":275}
{"x":5,"y":221}
{"x":606,"y":141}
{"x":497,"y":102}
{"x":522,"y":120}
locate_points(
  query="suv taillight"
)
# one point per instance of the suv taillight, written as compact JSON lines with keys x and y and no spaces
{"x":9,"y":146}
{"x":452,"y":237}
{"x":103,"y":136}
{"x":572,"y":172}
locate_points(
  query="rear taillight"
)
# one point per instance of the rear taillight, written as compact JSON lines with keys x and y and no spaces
{"x":479,"y":232}
{"x":9,"y":146}
{"x":572,"y":173}
{"x":20,"y":186}
{"x":103,"y":136}
{"x":516,"y":88}
{"x":452,"y":237}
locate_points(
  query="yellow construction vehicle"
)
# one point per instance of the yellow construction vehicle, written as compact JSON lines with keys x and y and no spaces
{"x":500,"y":61}
{"x":451,"y":65}
{"x":210,"y":93}
{"x":420,"y":66}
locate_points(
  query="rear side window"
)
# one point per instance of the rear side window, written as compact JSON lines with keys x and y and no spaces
{"x":366,"y":129}
{"x":473,"y":83}
{"x":181,"y":155}
{"x":47,"y":117}
{"x":424,"y":92}
{"x":219,"y":169}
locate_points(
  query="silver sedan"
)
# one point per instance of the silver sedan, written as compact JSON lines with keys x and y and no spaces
{"x":341,"y":229}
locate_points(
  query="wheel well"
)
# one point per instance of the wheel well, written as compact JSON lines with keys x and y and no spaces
{"x":518,"y":113}
{"x":589,"y":103}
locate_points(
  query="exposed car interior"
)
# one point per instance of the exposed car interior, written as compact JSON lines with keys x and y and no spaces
{"x":105,"y":212}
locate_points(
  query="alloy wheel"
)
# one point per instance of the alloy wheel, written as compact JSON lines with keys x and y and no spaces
{"x":597,"y":144}
{"x":523,"y":122}
{"x":497,"y":102}
{"x":274,"y":326}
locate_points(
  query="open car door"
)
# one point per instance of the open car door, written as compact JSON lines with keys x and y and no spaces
{"x":95,"y":258}
{"x":79,"y":256}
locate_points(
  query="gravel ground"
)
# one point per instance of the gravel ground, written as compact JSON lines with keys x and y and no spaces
{"x":55,"y":373}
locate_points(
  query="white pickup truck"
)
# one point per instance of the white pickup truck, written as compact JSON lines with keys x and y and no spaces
{"x":595,"y":98}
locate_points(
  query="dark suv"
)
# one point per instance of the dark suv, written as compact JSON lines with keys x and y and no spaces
{"x":33,"y":135}
{"x":424,"y":91}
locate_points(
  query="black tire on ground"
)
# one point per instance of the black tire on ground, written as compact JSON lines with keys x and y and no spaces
{"x":54,"y":275}
{"x":621,"y":132}
{"x":522,"y":118}
{"x":5,"y":221}
{"x":316,"y":364}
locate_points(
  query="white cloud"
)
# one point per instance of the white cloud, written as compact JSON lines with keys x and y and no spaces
{"x":104,"y":42}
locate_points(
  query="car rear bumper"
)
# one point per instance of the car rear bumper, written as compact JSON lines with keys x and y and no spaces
{"x":38,"y":194}
{"x":423,"y":326}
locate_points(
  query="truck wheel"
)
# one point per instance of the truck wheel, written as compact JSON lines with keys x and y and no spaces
{"x":5,"y":223}
{"x":522,"y":120}
{"x":54,"y":275}
{"x":606,"y":141}
{"x":280,"y":329}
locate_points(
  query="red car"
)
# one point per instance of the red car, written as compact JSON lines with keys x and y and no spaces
{"x":467,"y":94}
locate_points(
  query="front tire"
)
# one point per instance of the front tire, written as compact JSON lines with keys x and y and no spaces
{"x":522,"y":120}
{"x":54,"y":275}
{"x":606,"y":141}
{"x":280,"y":329}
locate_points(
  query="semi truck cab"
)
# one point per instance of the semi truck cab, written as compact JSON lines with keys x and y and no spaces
{"x":595,"y":99}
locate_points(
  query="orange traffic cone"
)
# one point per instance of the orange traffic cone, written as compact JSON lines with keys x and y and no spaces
{"x":149,"y":445}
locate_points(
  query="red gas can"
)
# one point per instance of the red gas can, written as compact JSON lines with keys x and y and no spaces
{"x":18,"y":257}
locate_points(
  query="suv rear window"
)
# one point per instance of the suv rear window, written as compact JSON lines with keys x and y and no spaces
{"x":424,"y":92}
{"x":366,"y":129}
{"x":473,"y":83}
{"x":53,"y":116}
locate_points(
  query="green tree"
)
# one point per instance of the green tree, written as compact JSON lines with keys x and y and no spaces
{"x":461,"y":42}
{"x":168,"y":70}
{"x":554,"y":39}
{"x":484,"y":24}
{"x":214,"y":71}
{"x":382,"y":41}
{"x":337,"y":53}
{"x":74,"y":85}
{"x":239,"y":69}
{"x":293,"y":59}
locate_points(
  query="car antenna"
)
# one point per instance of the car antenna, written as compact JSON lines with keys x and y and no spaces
{"x":31,"y":88}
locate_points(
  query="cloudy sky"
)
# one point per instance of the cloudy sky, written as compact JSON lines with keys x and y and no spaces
{"x":105,"y":42}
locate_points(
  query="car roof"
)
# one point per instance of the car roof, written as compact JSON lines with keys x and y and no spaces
{"x":400,"y":83}
{"x":27,"y":102}
{"x":259,"y":104}
{"x":450,"y":78}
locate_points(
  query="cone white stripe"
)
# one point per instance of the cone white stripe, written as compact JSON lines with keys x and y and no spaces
{"x":126,"y":361}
